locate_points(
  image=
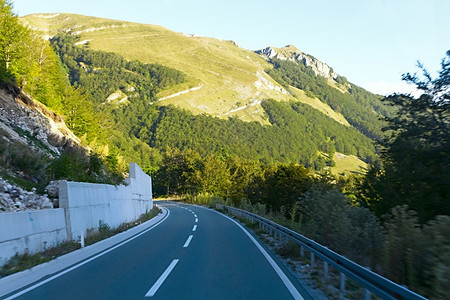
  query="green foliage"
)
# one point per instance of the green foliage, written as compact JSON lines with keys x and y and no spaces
{"x":415,"y":255}
{"x":361,"y":108}
{"x":75,"y":165}
{"x":402,"y":237}
{"x":328,"y":217}
{"x":103,"y":73}
{"x":176,"y":174}
{"x":291,"y":137}
{"x":16,"y":157}
{"x":283,"y":185}
{"x":205,"y":199}
{"x":213,"y":176}
{"x":150,"y":214}
{"x":103,"y":228}
{"x":437,"y":262}
{"x":415,"y":160}
{"x":13,"y":44}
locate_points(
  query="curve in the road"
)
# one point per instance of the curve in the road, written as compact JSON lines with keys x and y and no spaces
{"x":194,"y":253}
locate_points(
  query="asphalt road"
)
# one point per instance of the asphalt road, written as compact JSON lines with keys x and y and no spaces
{"x":195,"y":253}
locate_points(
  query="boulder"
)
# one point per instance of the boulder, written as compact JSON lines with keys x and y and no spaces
{"x":52,"y":189}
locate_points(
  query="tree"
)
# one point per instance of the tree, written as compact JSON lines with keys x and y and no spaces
{"x":13,"y":41}
{"x":176,"y":174}
{"x":285,"y":185}
{"x":415,"y":156}
{"x":213,"y":176}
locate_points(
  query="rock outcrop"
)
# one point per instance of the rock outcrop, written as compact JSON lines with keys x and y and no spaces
{"x":291,"y":53}
{"x":28,"y":121}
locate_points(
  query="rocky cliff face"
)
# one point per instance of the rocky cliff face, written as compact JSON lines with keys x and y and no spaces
{"x":30,"y":123}
{"x":26,"y":122}
{"x":291,"y":53}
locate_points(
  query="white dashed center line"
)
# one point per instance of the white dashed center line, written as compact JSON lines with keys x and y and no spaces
{"x":188,"y":241}
{"x":194,"y":228}
{"x":161,"y":279}
{"x":196,"y":220}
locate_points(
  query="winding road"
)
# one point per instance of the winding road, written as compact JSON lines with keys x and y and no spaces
{"x":191,"y":253}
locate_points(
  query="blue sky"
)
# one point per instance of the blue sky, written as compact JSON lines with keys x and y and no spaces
{"x":371,"y":42}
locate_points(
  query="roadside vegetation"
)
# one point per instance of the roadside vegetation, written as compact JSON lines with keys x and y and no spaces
{"x":394,"y":219}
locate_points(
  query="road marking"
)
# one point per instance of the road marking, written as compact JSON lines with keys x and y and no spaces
{"x":194,"y":228}
{"x":195,"y":215}
{"x":188,"y":241}
{"x":274,"y":265}
{"x":196,"y":220}
{"x":152,"y":291}
{"x":88,"y":260}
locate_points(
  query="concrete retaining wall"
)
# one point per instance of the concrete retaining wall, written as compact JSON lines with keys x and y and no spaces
{"x":30,"y":231}
{"x":87,"y":204}
{"x":82,"y":207}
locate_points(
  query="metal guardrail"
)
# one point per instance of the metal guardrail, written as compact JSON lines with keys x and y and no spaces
{"x":370,"y":281}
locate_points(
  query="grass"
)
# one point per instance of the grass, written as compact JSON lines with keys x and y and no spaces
{"x":348,"y":164}
{"x":26,"y":261}
{"x":105,"y":231}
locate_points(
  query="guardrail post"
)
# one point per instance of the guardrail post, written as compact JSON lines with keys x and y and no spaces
{"x":325,"y":271}
{"x":367,"y":294}
{"x":312,"y":260}
{"x":342,"y":282}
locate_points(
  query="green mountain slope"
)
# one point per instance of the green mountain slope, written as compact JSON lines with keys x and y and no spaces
{"x":216,"y":78}
{"x":360,"y":108}
{"x":223,"y":79}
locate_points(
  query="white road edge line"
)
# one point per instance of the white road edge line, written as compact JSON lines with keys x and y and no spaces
{"x":86,"y":261}
{"x":194,"y":228}
{"x":274,"y":265}
{"x":188,"y":241}
{"x":152,"y":291}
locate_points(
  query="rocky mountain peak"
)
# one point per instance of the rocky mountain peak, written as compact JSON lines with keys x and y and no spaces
{"x":291,"y":53}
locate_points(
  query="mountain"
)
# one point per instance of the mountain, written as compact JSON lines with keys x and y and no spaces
{"x":223,"y":79}
{"x":128,"y":70}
